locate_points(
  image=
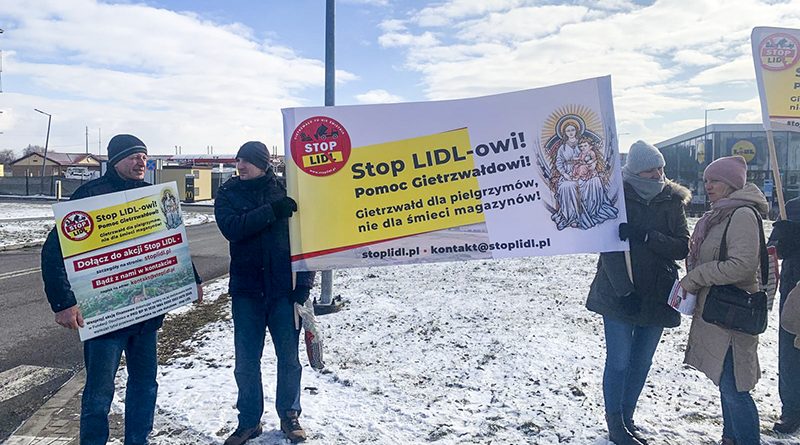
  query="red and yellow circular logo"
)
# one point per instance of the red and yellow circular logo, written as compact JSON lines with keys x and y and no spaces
{"x":778,"y":51}
{"x":77,"y":226}
{"x":320,"y":146}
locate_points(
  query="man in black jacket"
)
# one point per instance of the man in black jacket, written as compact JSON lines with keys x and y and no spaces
{"x":252,"y":212}
{"x":126,"y":167}
{"x":786,"y":239}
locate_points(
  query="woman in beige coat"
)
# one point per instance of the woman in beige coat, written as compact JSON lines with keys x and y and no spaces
{"x":728,"y":358}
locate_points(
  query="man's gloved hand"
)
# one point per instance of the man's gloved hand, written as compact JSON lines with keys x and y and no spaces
{"x":284,"y":207}
{"x":633,"y":233}
{"x":300,"y":294}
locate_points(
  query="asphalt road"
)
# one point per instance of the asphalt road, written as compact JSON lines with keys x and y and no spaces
{"x":29,"y":335}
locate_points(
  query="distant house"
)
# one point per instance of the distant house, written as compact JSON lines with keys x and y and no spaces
{"x":56,"y":164}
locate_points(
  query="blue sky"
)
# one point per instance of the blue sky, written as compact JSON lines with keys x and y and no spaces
{"x":199,"y":73}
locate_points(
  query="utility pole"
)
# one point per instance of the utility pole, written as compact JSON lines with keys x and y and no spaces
{"x":326,"y":291}
{"x":46,"y":143}
{"x":1,"y":66}
{"x":87,"y":139}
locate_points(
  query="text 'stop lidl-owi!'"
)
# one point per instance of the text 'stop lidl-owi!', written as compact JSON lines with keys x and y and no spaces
{"x":527,"y":173}
{"x":126,"y":255}
{"x":776,"y":53}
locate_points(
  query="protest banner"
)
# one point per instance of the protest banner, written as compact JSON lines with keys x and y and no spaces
{"x":527,"y":173}
{"x":126,"y":255}
{"x":776,"y":56}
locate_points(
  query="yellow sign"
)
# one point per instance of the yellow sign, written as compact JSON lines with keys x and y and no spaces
{"x":388,"y":191}
{"x":745,"y":149}
{"x":776,"y":52}
{"x":80,"y":231}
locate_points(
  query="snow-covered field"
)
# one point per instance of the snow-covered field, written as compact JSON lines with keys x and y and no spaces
{"x":29,"y":223}
{"x":489,"y":352}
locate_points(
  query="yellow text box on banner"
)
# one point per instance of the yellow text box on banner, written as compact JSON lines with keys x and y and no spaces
{"x":387,"y":191}
{"x":81,"y":232}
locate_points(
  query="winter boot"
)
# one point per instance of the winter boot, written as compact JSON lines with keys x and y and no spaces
{"x":242,"y":435}
{"x":787,"y":425}
{"x":634,"y":430}
{"x":727,"y":441}
{"x":617,"y":432}
{"x":291,"y":428}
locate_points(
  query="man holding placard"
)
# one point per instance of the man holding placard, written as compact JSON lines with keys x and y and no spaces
{"x":126,"y":168}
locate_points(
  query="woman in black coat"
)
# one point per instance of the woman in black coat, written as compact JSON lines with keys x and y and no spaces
{"x":636,"y":313}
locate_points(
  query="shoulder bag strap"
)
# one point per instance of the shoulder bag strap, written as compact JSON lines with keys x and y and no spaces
{"x":763,"y":256}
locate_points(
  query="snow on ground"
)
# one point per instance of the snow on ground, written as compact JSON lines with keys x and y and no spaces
{"x":29,"y":223}
{"x":499,"y":352}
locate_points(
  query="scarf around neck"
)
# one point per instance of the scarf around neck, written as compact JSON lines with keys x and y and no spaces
{"x":645,"y":187}
{"x":720,"y":211}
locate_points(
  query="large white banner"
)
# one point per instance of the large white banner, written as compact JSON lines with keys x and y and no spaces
{"x":527,"y":173}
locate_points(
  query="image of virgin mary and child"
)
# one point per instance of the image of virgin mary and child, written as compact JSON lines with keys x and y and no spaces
{"x":579,"y":176}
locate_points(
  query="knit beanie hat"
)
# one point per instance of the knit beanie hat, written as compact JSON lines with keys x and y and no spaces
{"x":731,"y":170}
{"x":123,"y":145}
{"x":255,"y":153}
{"x":643,"y":157}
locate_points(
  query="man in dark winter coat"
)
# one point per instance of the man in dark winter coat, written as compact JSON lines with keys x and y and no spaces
{"x":126,"y":167}
{"x":786,"y":239}
{"x":635,"y":313}
{"x":252,"y":212}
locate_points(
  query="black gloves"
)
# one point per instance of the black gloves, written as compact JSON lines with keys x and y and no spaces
{"x":300,"y":294}
{"x":284,"y":207}
{"x":786,"y":238}
{"x":633,"y":233}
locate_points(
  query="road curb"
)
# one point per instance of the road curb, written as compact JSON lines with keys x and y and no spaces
{"x":20,"y":246}
{"x":52,"y":424}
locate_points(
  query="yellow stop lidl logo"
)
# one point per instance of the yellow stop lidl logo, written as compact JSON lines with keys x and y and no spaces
{"x":745,"y":149}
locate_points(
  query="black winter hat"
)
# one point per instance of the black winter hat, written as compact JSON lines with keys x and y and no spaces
{"x":255,"y":153}
{"x":122,"y":146}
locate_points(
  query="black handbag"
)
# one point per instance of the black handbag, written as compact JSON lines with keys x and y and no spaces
{"x":732,"y":308}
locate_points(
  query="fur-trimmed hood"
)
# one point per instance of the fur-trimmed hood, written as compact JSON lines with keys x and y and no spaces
{"x":680,"y":191}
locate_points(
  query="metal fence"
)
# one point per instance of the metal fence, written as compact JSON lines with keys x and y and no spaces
{"x":34,"y":185}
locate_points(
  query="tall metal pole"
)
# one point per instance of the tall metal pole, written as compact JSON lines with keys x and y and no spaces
{"x":705,"y":135}
{"x":326,"y":291}
{"x":87,"y":139}
{"x":46,"y":143}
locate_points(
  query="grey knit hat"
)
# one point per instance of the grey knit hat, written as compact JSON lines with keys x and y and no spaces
{"x":643,"y":157}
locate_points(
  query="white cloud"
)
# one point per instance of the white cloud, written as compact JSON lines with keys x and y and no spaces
{"x":665,"y":58}
{"x":378,"y":97}
{"x":199,"y":83}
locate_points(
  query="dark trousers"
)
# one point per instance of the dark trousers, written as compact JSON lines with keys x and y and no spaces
{"x":788,"y":371}
{"x":629,"y":354}
{"x":102,"y":356}
{"x":251,"y":319}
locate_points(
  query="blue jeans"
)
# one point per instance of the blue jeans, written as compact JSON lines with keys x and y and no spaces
{"x":739,"y":412}
{"x":251,"y":319}
{"x":102,"y":356}
{"x":629,"y":354}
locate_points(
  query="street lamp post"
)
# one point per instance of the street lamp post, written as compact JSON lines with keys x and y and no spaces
{"x":705,"y":133}
{"x":46,"y":142}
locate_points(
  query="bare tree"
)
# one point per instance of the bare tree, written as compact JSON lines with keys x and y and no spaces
{"x":32,"y":149}
{"x":7,"y":156}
